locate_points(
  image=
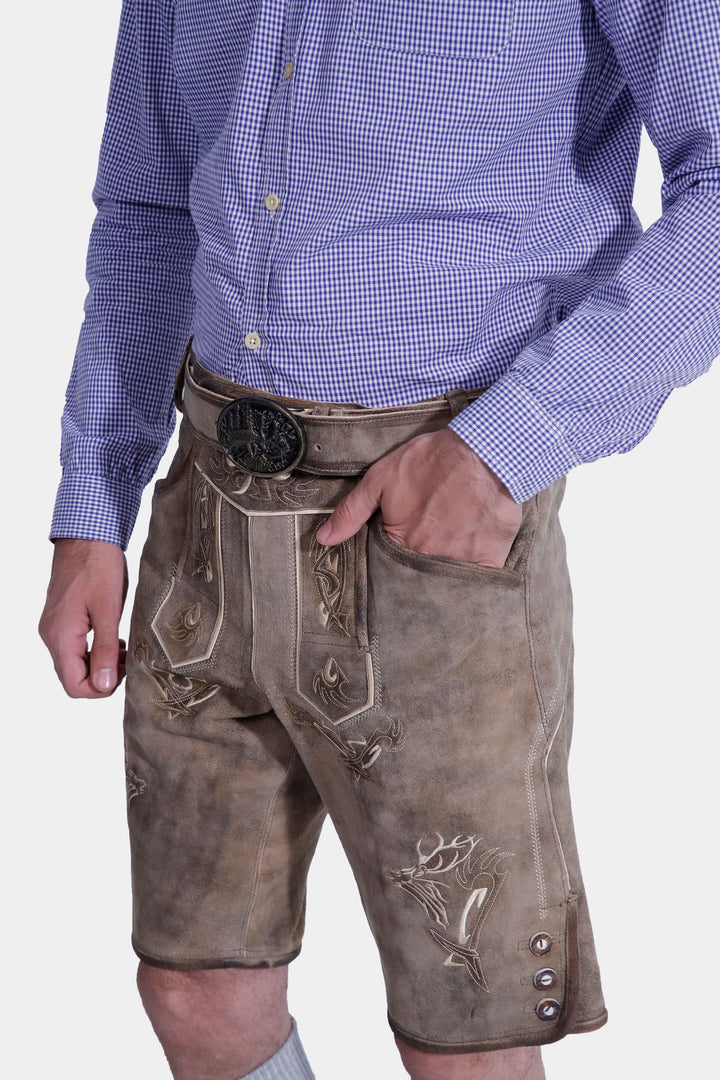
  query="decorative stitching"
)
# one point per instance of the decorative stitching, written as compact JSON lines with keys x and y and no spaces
{"x":179,"y":625}
{"x":479,"y":881}
{"x":134,"y":784}
{"x":179,"y":694}
{"x":535,"y":824}
{"x":329,"y":684}
{"x":292,"y":492}
{"x":330,"y":574}
{"x":206,"y":532}
{"x":262,"y":513}
{"x":186,"y":626}
{"x":359,"y":754}
{"x":375,"y":663}
{"x":548,"y":794}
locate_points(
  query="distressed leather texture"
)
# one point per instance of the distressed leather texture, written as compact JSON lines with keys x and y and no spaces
{"x":425,"y":703}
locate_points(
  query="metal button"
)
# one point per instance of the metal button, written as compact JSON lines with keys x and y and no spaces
{"x":289,"y":68}
{"x":548,"y":1009}
{"x":271,"y":202}
{"x":539,"y":943}
{"x":252,"y":341}
{"x":544,"y":979}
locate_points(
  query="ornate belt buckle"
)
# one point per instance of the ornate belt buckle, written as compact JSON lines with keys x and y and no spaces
{"x":261,"y":436}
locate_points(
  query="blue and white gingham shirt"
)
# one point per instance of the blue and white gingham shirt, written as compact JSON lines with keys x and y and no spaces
{"x":379,"y":200}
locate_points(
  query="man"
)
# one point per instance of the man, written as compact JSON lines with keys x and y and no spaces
{"x":405,"y":249}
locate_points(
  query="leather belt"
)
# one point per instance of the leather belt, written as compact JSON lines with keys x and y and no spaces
{"x":270,"y":435}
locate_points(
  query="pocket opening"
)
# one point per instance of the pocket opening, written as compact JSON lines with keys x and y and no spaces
{"x":512,"y":567}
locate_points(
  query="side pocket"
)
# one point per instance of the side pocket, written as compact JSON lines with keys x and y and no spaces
{"x":513,"y":568}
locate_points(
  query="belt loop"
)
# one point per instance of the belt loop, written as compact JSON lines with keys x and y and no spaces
{"x":180,"y":377}
{"x":457,"y":400}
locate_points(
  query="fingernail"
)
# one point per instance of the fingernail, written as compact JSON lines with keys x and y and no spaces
{"x":104,"y":679}
{"x":324,"y":532}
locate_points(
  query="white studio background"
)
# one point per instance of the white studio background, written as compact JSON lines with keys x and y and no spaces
{"x":642,"y":536}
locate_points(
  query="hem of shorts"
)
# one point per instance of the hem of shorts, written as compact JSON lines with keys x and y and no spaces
{"x":503,"y":1042}
{"x":213,"y":962}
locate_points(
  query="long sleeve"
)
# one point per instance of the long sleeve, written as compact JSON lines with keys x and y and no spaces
{"x":118,"y":415}
{"x":594,"y":384}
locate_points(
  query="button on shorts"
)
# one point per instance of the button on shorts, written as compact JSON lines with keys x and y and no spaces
{"x":423,"y":702}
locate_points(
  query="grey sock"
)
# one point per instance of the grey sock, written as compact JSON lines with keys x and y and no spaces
{"x":288,"y":1063}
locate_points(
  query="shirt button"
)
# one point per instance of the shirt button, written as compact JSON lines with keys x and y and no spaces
{"x":252,"y":341}
{"x":289,"y":68}
{"x":272,"y":202}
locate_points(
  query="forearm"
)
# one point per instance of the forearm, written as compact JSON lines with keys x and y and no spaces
{"x":595,"y":384}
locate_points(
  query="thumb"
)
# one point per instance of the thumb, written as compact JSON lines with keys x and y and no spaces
{"x":105,"y":651}
{"x":352,"y":511}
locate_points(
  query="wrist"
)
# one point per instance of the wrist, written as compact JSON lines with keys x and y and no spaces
{"x":469,"y":454}
{"x":77,"y":552}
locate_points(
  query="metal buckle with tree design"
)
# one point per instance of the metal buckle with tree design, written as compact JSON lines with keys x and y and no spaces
{"x":261,"y":436}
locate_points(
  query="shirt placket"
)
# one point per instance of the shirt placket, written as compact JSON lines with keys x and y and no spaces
{"x":270,"y":195}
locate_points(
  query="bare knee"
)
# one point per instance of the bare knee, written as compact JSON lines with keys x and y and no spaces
{"x":231,"y":1019}
{"x":517,"y":1063}
{"x":240,"y":992}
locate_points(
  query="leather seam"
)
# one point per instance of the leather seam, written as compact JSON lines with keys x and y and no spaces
{"x":267,"y":825}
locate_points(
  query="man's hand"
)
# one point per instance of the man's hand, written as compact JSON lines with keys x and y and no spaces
{"x":435,"y":496}
{"x":87,"y":591}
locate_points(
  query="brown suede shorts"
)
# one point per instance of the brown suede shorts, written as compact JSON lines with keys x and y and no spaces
{"x":423,"y":702}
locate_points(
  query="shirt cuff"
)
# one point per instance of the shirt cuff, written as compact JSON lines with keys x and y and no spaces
{"x":95,"y":508}
{"x":513,"y":436}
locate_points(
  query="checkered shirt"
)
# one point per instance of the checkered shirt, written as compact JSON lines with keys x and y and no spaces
{"x":377,"y":201}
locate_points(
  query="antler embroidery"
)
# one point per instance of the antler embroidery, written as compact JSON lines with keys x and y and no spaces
{"x":467,"y":895}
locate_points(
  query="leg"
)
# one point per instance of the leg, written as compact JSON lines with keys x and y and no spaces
{"x":222,"y":813}
{"x":520,"y":1063}
{"x":217,"y":1024}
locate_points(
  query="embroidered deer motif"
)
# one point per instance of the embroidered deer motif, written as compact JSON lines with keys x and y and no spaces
{"x":457,"y":885}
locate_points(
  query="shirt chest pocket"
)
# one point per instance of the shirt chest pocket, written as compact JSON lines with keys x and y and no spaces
{"x":456,"y":29}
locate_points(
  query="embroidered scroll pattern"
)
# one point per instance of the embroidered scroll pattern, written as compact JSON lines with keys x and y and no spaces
{"x":330,"y":573}
{"x":178,"y":694}
{"x":205,"y":517}
{"x":135,"y":784}
{"x":329,"y":684}
{"x":360,"y":753}
{"x":186,"y":625}
{"x":456,"y":883}
{"x":296,"y":491}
